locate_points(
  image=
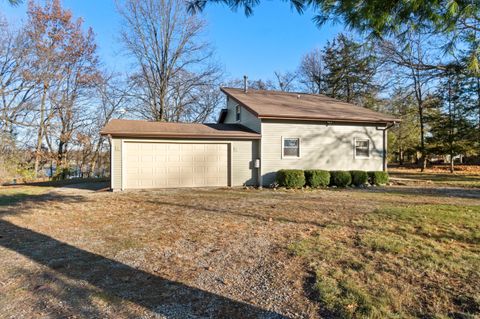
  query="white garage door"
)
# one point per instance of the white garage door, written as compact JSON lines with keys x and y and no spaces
{"x":159,"y":165}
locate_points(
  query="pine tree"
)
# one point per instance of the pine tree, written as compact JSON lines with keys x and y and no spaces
{"x":451,"y":126}
{"x":350,"y":71}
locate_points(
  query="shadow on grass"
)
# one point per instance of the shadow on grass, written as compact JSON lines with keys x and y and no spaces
{"x":82,"y":182}
{"x":31,"y":200}
{"x":117,"y":280}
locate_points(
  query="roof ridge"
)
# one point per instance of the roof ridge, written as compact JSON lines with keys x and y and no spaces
{"x":275,"y":91}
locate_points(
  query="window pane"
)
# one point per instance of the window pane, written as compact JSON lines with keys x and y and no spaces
{"x":290,"y":152}
{"x":363,"y":144}
{"x":291,"y":147}
{"x":362,"y":148}
{"x":362,"y":152}
{"x":291,"y":142}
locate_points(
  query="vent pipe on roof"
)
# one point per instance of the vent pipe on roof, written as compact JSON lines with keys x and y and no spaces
{"x":245,"y":84}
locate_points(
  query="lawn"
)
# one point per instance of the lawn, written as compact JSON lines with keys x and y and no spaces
{"x":395,"y":252}
{"x":464,"y":176}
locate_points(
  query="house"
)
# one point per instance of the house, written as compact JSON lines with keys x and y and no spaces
{"x":258,"y":133}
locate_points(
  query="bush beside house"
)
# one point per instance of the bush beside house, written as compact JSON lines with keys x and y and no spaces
{"x":378,"y":178}
{"x":297,"y":178}
{"x":359,"y":178}
{"x":316,"y":178}
{"x":340,"y":178}
{"x":291,"y":178}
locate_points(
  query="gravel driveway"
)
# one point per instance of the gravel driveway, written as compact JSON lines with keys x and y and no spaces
{"x":76,"y":252}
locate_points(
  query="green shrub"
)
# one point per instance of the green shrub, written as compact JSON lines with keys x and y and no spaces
{"x":317,"y":178}
{"x":359,"y":178}
{"x":291,"y":178}
{"x":340,"y":178}
{"x":378,"y":178}
{"x":26,"y":174}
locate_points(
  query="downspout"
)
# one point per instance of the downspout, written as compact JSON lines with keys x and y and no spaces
{"x":384,"y":129}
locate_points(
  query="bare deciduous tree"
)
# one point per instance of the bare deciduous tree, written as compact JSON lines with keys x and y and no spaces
{"x":416,"y":66}
{"x":173,"y":61}
{"x":113,"y":100}
{"x":311,"y":72}
{"x":285,"y":81}
{"x":16,"y":92}
{"x":58,"y":48}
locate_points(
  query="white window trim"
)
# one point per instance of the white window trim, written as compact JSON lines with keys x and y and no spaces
{"x":239,"y":113}
{"x":299,"y":147}
{"x":355,"y":148}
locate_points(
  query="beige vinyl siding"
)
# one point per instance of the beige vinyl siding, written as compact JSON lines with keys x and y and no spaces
{"x":116,"y":164}
{"x":247,"y":119}
{"x":241,"y":157}
{"x":328,"y":147}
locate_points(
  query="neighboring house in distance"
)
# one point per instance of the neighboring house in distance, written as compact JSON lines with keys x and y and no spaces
{"x":257,"y":134}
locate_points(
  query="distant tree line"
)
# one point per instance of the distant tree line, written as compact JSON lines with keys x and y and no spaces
{"x":56,"y":95}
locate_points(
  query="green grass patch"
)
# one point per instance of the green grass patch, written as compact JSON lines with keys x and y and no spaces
{"x":398,"y":262}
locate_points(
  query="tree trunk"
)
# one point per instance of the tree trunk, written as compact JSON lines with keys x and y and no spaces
{"x":95,"y":156}
{"x":423,"y":159}
{"x":451,"y":163}
{"x":478,"y":106}
{"x":40,"y":130}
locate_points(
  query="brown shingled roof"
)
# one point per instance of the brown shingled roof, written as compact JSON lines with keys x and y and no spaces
{"x":285,"y":105}
{"x":135,"y":128}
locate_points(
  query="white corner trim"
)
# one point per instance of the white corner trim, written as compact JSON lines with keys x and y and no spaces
{"x":112,"y":149}
{"x":299,"y":148}
{"x":122,"y":156}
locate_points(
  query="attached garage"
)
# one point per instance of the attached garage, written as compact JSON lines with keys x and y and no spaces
{"x":146,"y":155}
{"x":161,"y":165}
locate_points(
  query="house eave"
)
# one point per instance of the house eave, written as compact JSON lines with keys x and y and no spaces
{"x":183,"y":136}
{"x":330,"y":120}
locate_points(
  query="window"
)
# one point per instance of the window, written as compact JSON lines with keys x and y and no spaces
{"x":237,"y":112}
{"x":362,"y":148}
{"x":291,"y":147}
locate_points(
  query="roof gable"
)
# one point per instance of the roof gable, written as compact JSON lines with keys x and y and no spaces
{"x":286,"y":105}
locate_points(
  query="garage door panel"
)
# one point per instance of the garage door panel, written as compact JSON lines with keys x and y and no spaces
{"x":132,"y":158}
{"x":160,"y":165}
{"x":146,"y":158}
{"x":174,"y":158}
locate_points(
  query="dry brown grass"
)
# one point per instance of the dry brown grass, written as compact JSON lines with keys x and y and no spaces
{"x":466,"y":176}
{"x":220,"y":252}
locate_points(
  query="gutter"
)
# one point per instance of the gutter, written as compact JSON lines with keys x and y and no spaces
{"x":327,"y":120}
{"x":186,"y":136}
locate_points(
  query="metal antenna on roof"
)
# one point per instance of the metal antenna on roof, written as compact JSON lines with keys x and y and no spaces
{"x":245,"y":83}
